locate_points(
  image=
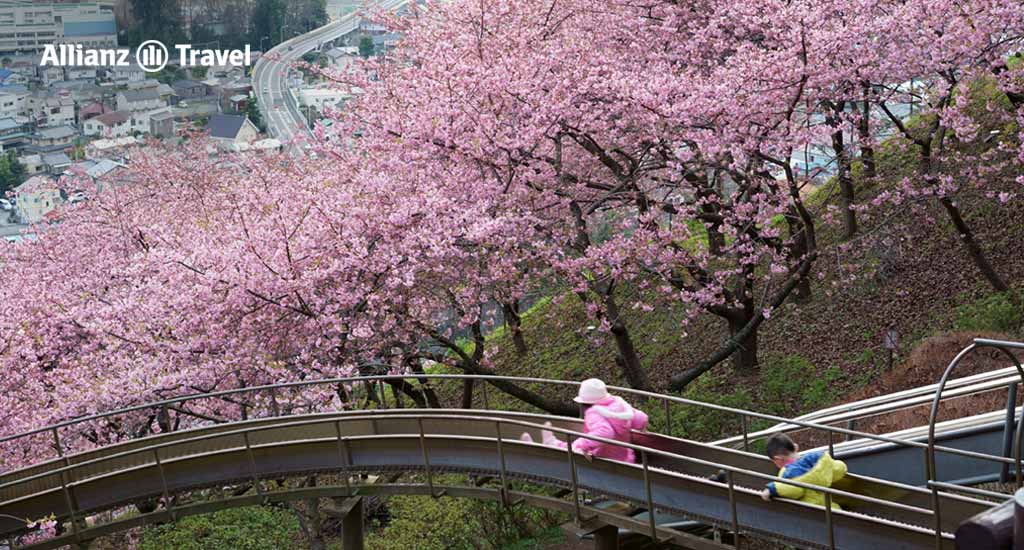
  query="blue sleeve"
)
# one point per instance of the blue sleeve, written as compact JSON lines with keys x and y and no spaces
{"x":771,"y":489}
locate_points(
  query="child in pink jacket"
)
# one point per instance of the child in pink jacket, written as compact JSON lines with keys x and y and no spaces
{"x":604,"y":415}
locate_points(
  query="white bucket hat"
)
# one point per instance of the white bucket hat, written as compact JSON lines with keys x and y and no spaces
{"x":592,"y":390}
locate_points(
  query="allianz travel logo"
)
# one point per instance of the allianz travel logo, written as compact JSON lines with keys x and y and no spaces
{"x":152,"y":56}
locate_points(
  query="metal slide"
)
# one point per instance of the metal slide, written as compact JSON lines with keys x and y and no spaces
{"x":484,"y":443}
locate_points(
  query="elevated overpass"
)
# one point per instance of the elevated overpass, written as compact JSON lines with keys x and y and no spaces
{"x":281,"y":113}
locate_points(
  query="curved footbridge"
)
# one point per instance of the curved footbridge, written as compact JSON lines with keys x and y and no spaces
{"x":415,"y":448}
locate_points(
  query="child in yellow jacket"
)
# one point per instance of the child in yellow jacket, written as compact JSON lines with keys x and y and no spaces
{"x":814,"y":468}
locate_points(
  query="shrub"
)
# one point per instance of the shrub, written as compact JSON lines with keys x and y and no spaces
{"x":251,"y":528}
{"x":993,"y":313}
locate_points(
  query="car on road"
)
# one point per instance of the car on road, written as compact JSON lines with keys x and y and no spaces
{"x":6,"y":205}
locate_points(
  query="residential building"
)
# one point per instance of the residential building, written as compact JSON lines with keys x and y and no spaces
{"x":56,"y":163}
{"x":13,"y":134}
{"x":163,"y":124}
{"x":11,"y":78}
{"x":110,"y":125}
{"x":232,"y":129}
{"x":49,"y":110}
{"x":91,"y":110}
{"x":30,"y":26}
{"x":49,"y":74}
{"x":126,"y":75}
{"x":323,"y":98}
{"x":13,"y":102}
{"x":115,"y":148}
{"x":189,"y":89}
{"x":342,"y":56}
{"x":145,"y":99}
{"x":37,"y":197}
{"x":80,"y":73}
{"x":33,"y":163}
{"x":53,"y":139}
{"x":102,"y":173}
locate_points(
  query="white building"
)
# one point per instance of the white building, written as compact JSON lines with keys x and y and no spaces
{"x":13,"y":103}
{"x":29,"y":26}
{"x":110,"y":125}
{"x":37,"y":197}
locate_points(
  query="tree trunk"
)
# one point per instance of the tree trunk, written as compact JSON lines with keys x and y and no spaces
{"x":974,"y":249}
{"x":628,"y":359}
{"x":515,"y":324}
{"x":428,"y":392}
{"x":846,"y":190}
{"x":310,"y":521}
{"x":867,"y":152}
{"x":467,"y":393}
{"x":744,"y":359}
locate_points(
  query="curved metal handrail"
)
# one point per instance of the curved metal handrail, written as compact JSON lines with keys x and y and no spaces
{"x":667,"y":400}
{"x":65,"y":473}
{"x":979,"y":343}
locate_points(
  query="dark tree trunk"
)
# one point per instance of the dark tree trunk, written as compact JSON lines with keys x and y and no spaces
{"x":515,"y":324}
{"x":428,"y":392}
{"x":846,"y":190}
{"x":867,"y":152}
{"x":974,"y":249}
{"x":628,"y":359}
{"x":744,"y":359}
{"x":467,"y":393}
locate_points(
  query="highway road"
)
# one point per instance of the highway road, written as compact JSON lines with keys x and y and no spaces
{"x":270,"y":75}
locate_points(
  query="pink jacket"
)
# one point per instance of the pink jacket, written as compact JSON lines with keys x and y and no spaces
{"x":611,"y":418}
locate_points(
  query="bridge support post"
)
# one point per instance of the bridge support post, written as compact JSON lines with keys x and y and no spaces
{"x":352,"y":527}
{"x":606,"y":538}
{"x":350,"y":512}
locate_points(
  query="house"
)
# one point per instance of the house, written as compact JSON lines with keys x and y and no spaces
{"x":73,"y":72}
{"x":322,"y":99}
{"x":13,"y":102}
{"x":189,"y":89}
{"x":56,"y":163}
{"x":116,"y":148}
{"x":91,"y":110}
{"x":145,"y":99}
{"x":383,"y":43}
{"x":127,"y":74}
{"x":53,"y":139}
{"x":238,"y":103}
{"x":13,"y":134}
{"x":163,"y":124}
{"x":37,"y":197}
{"x":49,"y":74}
{"x":33,"y":163}
{"x":102,"y":173}
{"x":228,"y":129}
{"x":109,"y":125}
{"x":46,"y":109}
{"x":11,"y":78}
{"x":340,"y":57}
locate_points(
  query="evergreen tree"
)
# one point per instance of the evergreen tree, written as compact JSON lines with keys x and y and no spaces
{"x":268,"y":19}
{"x":366,"y":46}
{"x":252,"y":110}
{"x":156,"y":20}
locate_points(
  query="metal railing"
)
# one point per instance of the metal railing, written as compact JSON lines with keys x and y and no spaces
{"x":979,"y":343}
{"x":271,"y":393}
{"x":70,"y":479}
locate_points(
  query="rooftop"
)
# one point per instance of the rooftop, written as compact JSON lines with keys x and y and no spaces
{"x":225,"y":126}
{"x":114,"y":118}
{"x":145,"y":94}
{"x":57,"y":132}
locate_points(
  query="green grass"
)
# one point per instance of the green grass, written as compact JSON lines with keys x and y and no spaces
{"x":447,"y":523}
{"x":252,"y":528}
{"x":998,"y":312}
